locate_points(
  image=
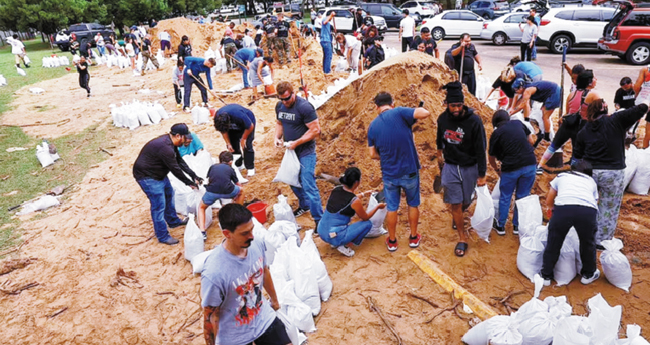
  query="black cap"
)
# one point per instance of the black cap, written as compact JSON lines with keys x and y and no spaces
{"x":181,"y":128}
{"x":454,"y":92}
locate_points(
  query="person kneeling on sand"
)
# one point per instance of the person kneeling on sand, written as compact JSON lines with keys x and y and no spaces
{"x":343,"y":204}
{"x":222,"y":184}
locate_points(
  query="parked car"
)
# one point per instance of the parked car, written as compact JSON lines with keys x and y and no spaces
{"x":454,"y":23}
{"x":505,"y":28}
{"x":85,"y":33}
{"x":391,"y":14}
{"x":521,"y":6}
{"x":292,"y":11}
{"x":421,"y":8}
{"x":573,"y":27}
{"x":628,"y":34}
{"x":343,"y":20}
{"x":490,"y":9}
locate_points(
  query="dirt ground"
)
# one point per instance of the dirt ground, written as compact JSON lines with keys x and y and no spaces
{"x":102,"y":279}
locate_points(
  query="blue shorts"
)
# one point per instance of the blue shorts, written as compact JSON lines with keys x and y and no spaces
{"x":393,"y":187}
{"x":553,"y":102}
{"x":210,"y":198}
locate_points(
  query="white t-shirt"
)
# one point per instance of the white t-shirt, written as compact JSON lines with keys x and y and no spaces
{"x":99,"y":40}
{"x":142,"y":31}
{"x":352,"y":42}
{"x":407,"y":24}
{"x":129,"y":50}
{"x":248,"y":42}
{"x":575,"y":188}
{"x":318,"y":22}
{"x":164,"y":36}
{"x":16,"y":46}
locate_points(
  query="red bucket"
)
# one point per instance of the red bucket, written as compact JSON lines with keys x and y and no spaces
{"x":213,"y":111}
{"x":259,"y":211}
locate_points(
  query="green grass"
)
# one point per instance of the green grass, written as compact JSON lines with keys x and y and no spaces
{"x":20,"y":171}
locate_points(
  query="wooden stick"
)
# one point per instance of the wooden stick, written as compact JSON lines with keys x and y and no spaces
{"x":58,"y":123}
{"x":58,"y":312}
{"x":205,"y":87}
{"x":135,"y":244}
{"x":20,"y":289}
{"x":423,"y":299}
{"x":106,"y":151}
{"x":376,"y":309}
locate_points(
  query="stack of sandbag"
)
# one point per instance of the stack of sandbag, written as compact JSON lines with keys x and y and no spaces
{"x":136,"y":114}
{"x":339,"y":84}
{"x":640,"y":183}
{"x":200,"y":115}
{"x":51,"y":62}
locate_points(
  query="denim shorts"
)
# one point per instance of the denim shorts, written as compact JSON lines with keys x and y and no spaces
{"x":210,"y":198}
{"x":393,"y":190}
{"x":553,"y":102}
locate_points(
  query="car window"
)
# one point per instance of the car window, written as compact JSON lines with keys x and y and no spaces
{"x":387,"y":11}
{"x":475,"y":4}
{"x":96,"y":26}
{"x":343,"y":13}
{"x":566,"y":15}
{"x":637,"y":19}
{"x":607,"y":15}
{"x":468,"y":16}
{"x":517,"y":18}
{"x":587,"y":16}
{"x":451,"y":16}
{"x":77,"y":28}
{"x":501,"y":4}
{"x":484,"y":4}
{"x":409,"y":5}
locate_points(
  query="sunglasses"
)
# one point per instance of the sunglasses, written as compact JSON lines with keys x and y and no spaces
{"x":286,"y":98}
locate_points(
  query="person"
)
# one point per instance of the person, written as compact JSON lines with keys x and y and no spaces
{"x":282,"y":43}
{"x":84,"y":76}
{"x":230,"y":49}
{"x":546,"y":92}
{"x":142,"y":31}
{"x":374,"y":54}
{"x":326,"y":42}
{"x":185,"y":48}
{"x":574,"y":72}
{"x":528,"y":38}
{"x":503,"y":83}
{"x":74,"y":44}
{"x":248,"y":41}
{"x":602,"y":143}
{"x":538,"y":20}
{"x":259,"y":32}
{"x":243,"y":58}
{"x":234,"y":309}
{"x":625,"y":96}
{"x":229,"y":30}
{"x":406,"y":30}
{"x":297,"y":125}
{"x":177,"y":80}
{"x":191,"y":146}
{"x":261,"y":73}
{"x":430,"y":46}
{"x":572,"y":202}
{"x":111,"y":44}
{"x":367,"y":20}
{"x":223,"y":184}
{"x":153,"y":23}
{"x":237,"y":126}
{"x":147,"y":54}
{"x":269,"y":32}
{"x":357,"y":19}
{"x":318,"y":23}
{"x":312,"y":15}
{"x":101,"y":45}
{"x":584,"y":84}
{"x":461,"y":144}
{"x":369,"y":37}
{"x":391,"y":141}
{"x":343,"y":204}
{"x":135,"y":39}
{"x":526,"y":68}
{"x":194,"y":66}
{"x":85,"y":50}
{"x":157,"y":158}
{"x":352,"y":50}
{"x":466,"y":51}
{"x":307,"y":30}
{"x":130,"y":52}
{"x":512,"y":144}
{"x":165,"y":42}
{"x":642,"y":90}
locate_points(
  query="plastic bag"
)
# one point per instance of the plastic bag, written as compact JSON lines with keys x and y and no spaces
{"x":198,"y":261}
{"x":302,"y":273}
{"x":565,"y":268}
{"x":604,"y":321}
{"x":640,"y":183}
{"x":27,"y":60}
{"x":377,"y":219}
{"x":483,"y":214}
{"x":477,"y":335}
{"x":502,"y":330}
{"x":322,"y":277}
{"x":292,"y":331}
{"x":496,"y":195}
{"x":616,"y":265}
{"x":240,"y":178}
{"x":631,"y":164}
{"x":42,"y":203}
{"x":530,"y":214}
{"x":572,"y":330}
{"x":530,"y":256}
{"x":193,"y":239}
{"x":282,"y":210}
{"x":153,"y":115}
{"x":289,"y":171}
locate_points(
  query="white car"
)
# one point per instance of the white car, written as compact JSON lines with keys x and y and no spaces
{"x":344,"y":19}
{"x":454,"y":23}
{"x":573,"y":27}
{"x":505,"y":28}
{"x":421,"y":8}
{"x":520,"y":6}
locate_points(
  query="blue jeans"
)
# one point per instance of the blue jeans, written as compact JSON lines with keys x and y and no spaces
{"x":163,"y":210}
{"x":244,"y":76}
{"x":392,"y":191}
{"x":335,"y":223}
{"x":102,"y":50}
{"x":327,"y":56}
{"x":522,"y":180}
{"x":308,"y":195}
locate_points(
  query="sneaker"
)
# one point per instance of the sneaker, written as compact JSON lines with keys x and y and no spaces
{"x":539,"y":171}
{"x":593,"y":278}
{"x":183,"y":222}
{"x":299,"y":212}
{"x":251,"y":172}
{"x":187,"y":110}
{"x":178,"y":106}
{"x":547,"y":282}
{"x":391,"y":245}
{"x":170,"y":241}
{"x":205,"y":235}
{"x":414,"y":242}
{"x":515,"y":230}
{"x":499,"y":230}
{"x":345,"y":251}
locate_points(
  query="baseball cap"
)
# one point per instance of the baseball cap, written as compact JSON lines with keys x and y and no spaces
{"x":519,"y":82}
{"x":260,"y":51}
{"x":181,"y":128}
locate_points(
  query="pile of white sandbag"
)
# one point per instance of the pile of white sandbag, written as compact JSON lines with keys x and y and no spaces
{"x":339,"y":84}
{"x":550,"y":321}
{"x":200,"y":115}
{"x":637,"y":171}
{"x":55,"y":61}
{"x":136,"y":114}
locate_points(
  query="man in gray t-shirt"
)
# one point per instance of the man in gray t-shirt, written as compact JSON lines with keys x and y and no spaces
{"x":235,"y":312}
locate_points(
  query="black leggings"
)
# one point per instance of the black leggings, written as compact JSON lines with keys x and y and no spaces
{"x":526,"y":51}
{"x":84,"y":80}
{"x":177,"y":94}
{"x":249,"y":152}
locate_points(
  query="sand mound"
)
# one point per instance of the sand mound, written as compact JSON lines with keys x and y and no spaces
{"x":202,"y":36}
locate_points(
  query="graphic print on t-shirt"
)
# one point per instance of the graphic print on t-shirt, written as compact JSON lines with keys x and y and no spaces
{"x":454,"y":137}
{"x":249,"y":291}
{"x":286,"y":116}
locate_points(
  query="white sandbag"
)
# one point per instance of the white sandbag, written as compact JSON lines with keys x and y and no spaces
{"x":143,"y":117}
{"x":477,"y":335}
{"x":541,"y":233}
{"x":200,"y":115}
{"x":3,"y":80}
{"x":537,"y":115}
{"x":631,"y":164}
{"x":483,"y":86}
{"x":21,"y":71}
{"x":161,"y":110}
{"x":43,"y":154}
{"x":240,"y":177}
{"x":198,"y":261}
{"x":530,"y":256}
{"x":532,"y":306}
{"x":42,"y":203}
{"x":132,"y":120}
{"x":278,"y":233}
{"x":565,"y":268}
{"x":640,"y":183}
{"x":483,"y":214}
{"x":615,"y":265}
{"x":153,"y":115}
{"x":538,"y":329}
{"x":572,"y":330}
{"x":377,"y":219}
{"x":36,"y":90}
{"x":502,"y":330}
{"x":282,"y":210}
{"x":558,"y":307}
{"x":530,"y":214}
{"x":322,"y":277}
{"x":496,"y":195}
{"x":341,"y":65}
{"x":604,"y":321}
{"x":289,"y":171}
{"x":193,"y":239}
{"x":634,"y":336}
{"x":296,"y":311}
{"x":199,"y":163}
{"x":302,"y":273}
{"x":292,"y":331}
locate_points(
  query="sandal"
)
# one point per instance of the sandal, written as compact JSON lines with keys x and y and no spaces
{"x":461,"y":248}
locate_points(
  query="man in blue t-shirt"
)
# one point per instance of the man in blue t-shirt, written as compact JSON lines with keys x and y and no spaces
{"x":297,"y":125}
{"x":194,"y":66}
{"x":326,"y":42}
{"x":237,"y":126}
{"x":243,"y":58}
{"x":390,"y":139}
{"x":234,"y":309}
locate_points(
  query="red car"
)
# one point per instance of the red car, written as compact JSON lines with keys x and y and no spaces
{"x":628,"y":33}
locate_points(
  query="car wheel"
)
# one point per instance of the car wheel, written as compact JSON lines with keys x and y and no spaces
{"x":639,"y":54}
{"x":486,"y":16}
{"x":438,"y":34}
{"x":559,"y":42}
{"x":499,"y":38}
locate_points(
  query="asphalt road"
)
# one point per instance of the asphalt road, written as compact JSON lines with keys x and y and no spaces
{"x":608,"y":69}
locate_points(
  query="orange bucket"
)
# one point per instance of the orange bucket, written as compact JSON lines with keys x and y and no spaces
{"x":269,"y":90}
{"x":213,"y":111}
{"x":259,"y":211}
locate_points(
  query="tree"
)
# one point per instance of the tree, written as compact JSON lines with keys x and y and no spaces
{"x":48,"y":16}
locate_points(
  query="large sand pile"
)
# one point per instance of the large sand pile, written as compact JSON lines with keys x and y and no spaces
{"x":202,"y":36}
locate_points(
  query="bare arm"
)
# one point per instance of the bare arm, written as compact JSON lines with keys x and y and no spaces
{"x":247,"y":133}
{"x":270,"y":288}
{"x":437,"y":53}
{"x":480,"y":64}
{"x":421,"y":113}
{"x":531,"y":139}
{"x":311,"y":134}
{"x":357,"y":206}
{"x":488,"y":95}
{"x":441,"y":159}
{"x":550,"y":201}
{"x":646,"y":137}
{"x":210,"y":324}
{"x":259,"y":70}
{"x":567,"y":68}
{"x":494,"y":164}
{"x":279,"y":133}
{"x":373,"y":152}
{"x":639,"y":81}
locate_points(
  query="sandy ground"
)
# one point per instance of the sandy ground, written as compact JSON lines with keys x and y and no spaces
{"x":84,"y":297}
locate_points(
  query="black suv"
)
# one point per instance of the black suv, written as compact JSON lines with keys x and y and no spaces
{"x":389,"y":12}
{"x":85,"y":33}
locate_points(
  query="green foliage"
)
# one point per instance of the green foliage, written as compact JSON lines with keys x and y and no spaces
{"x":48,"y":16}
